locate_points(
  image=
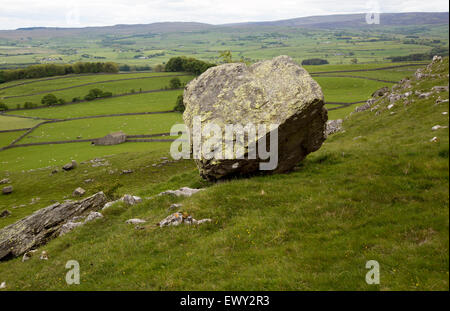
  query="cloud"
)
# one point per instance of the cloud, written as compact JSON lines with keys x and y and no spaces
{"x":78,"y":13}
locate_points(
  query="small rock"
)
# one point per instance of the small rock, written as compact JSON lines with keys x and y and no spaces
{"x":126,"y":172}
{"x":131,"y":200}
{"x":434,"y":140}
{"x":185,"y":191}
{"x":70,"y":166}
{"x":3,"y":285}
{"x":437,"y":127}
{"x":92,"y":216}
{"x":28,"y":255}
{"x":88,"y":181}
{"x":174,"y":206}
{"x":333,"y":126}
{"x":7,"y":190}
{"x":445,"y":113}
{"x":179,"y":218}
{"x":5,"y":181}
{"x":78,"y":192}
{"x":390,"y":106}
{"x":135,"y":221}
{"x":69,"y":226}
{"x":5,"y":213}
{"x":44,"y":256}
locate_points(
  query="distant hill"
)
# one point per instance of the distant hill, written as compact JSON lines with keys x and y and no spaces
{"x":358,"y":20}
{"x":324,"y":22}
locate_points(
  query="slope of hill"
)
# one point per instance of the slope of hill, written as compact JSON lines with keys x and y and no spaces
{"x":378,"y":190}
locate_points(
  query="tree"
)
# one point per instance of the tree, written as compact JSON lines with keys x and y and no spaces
{"x":175,"y":83}
{"x":226,"y":56}
{"x":49,"y":100}
{"x":3,"y":107}
{"x":314,"y":61}
{"x":179,"y":105}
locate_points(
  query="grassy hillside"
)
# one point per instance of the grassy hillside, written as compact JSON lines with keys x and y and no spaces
{"x":376,"y":191}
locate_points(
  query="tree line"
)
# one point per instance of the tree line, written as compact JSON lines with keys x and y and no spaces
{"x":185,"y":64}
{"x":50,"y":70}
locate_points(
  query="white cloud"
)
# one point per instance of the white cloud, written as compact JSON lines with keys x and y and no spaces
{"x":78,"y":13}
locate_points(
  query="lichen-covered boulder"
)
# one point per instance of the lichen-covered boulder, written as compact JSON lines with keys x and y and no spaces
{"x":277,"y":91}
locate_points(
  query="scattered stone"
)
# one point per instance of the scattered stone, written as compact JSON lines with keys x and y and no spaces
{"x":174,"y":206}
{"x":179,"y":218}
{"x":440,"y":101}
{"x":92,"y":216}
{"x":126,"y":172}
{"x":44,"y":256}
{"x":28,"y":255}
{"x":34,"y":200}
{"x":434,"y":140}
{"x":437,"y":58}
{"x":4,"y":181}
{"x":70,"y":166}
{"x":437,"y":127}
{"x":438,"y":88}
{"x":380,"y":92}
{"x":55,"y":171}
{"x":5,"y":213}
{"x":445,"y":113}
{"x":88,"y":181}
{"x":131,"y":199}
{"x":164,"y":158}
{"x":69,"y":226}
{"x":357,"y":137}
{"x":3,"y":285}
{"x":135,"y":221}
{"x":185,"y":192}
{"x":390,"y":106}
{"x":277,"y":91}
{"x":79,"y":192}
{"x":333,"y":126}
{"x":7,"y":190}
{"x":111,"y":139}
{"x":364,"y":107}
{"x":44,"y":225}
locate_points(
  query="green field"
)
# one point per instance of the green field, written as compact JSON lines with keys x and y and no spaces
{"x":10,"y":123}
{"x":95,"y":128}
{"x":161,"y":101}
{"x":117,"y":87}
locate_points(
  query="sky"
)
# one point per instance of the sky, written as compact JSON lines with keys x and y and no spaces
{"x":81,"y":13}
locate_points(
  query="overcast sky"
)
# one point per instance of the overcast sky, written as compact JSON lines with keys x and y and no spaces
{"x":80,"y":13}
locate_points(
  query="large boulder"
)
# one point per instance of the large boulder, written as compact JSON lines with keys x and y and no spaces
{"x":277,"y":91}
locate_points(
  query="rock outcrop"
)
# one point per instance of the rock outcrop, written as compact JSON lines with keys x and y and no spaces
{"x":44,"y":225}
{"x":277,"y":91}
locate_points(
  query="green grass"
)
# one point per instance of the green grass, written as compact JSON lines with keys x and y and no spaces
{"x":347,"y":90}
{"x":7,"y":138}
{"x":383,"y":196}
{"x":11,"y":123}
{"x":342,"y":112}
{"x":95,"y":128}
{"x":160,"y":101}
